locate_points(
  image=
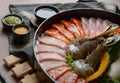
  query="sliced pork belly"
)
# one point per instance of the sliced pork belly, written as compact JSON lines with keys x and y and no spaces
{"x":92,"y":26}
{"x":43,"y":48}
{"x":60,"y":27}
{"x":68,"y":77}
{"x":52,"y":41}
{"x":79,"y":26}
{"x":50,"y":56}
{"x":57,"y":72}
{"x":81,"y":81}
{"x":56,"y":34}
{"x":72,"y":28}
{"x":85,"y":22}
{"x":47,"y":65}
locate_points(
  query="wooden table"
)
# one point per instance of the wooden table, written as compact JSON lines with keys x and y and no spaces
{"x":4,"y":46}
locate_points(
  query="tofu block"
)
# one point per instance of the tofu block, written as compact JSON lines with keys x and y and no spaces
{"x":20,"y":70}
{"x":30,"y":79}
{"x":11,"y":60}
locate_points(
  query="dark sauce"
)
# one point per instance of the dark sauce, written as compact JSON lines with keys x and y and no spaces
{"x":45,"y":13}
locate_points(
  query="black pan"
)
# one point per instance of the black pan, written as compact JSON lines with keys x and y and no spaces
{"x":66,"y":15}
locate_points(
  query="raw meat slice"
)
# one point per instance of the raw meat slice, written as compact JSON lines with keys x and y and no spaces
{"x":47,"y":65}
{"x":42,"y":48}
{"x":56,"y":34}
{"x":68,"y":77}
{"x":72,"y":28}
{"x":52,"y":41}
{"x":60,"y":27}
{"x":57,"y":72}
{"x":92,"y":26}
{"x":99,"y":23}
{"x":36,"y":46}
{"x":79,"y":26}
{"x":85,"y":25}
{"x":105,"y":26}
{"x":50,"y":56}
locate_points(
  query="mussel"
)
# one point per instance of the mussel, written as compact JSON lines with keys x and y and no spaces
{"x":112,"y":40}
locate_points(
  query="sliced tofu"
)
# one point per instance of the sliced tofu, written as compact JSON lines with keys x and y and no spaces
{"x":11,"y":60}
{"x":30,"y":79}
{"x":22,"y":69}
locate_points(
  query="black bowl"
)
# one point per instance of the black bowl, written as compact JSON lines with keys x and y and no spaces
{"x":8,"y":26}
{"x":44,"y":12}
{"x":21,"y":34}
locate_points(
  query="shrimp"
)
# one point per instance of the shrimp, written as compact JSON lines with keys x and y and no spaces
{"x":80,"y":51}
{"x":86,"y":67}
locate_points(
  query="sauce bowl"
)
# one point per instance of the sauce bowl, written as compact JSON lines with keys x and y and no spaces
{"x":44,"y":12}
{"x":11,"y":20}
{"x":21,"y":33}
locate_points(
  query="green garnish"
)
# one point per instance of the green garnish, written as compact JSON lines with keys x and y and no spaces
{"x":69,"y":60}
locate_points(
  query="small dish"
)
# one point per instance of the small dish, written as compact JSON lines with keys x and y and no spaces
{"x":35,"y":23}
{"x":11,"y":20}
{"x":44,"y":12}
{"x":21,"y":33}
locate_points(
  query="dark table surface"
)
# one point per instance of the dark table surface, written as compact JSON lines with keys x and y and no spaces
{"x":4,"y":45}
